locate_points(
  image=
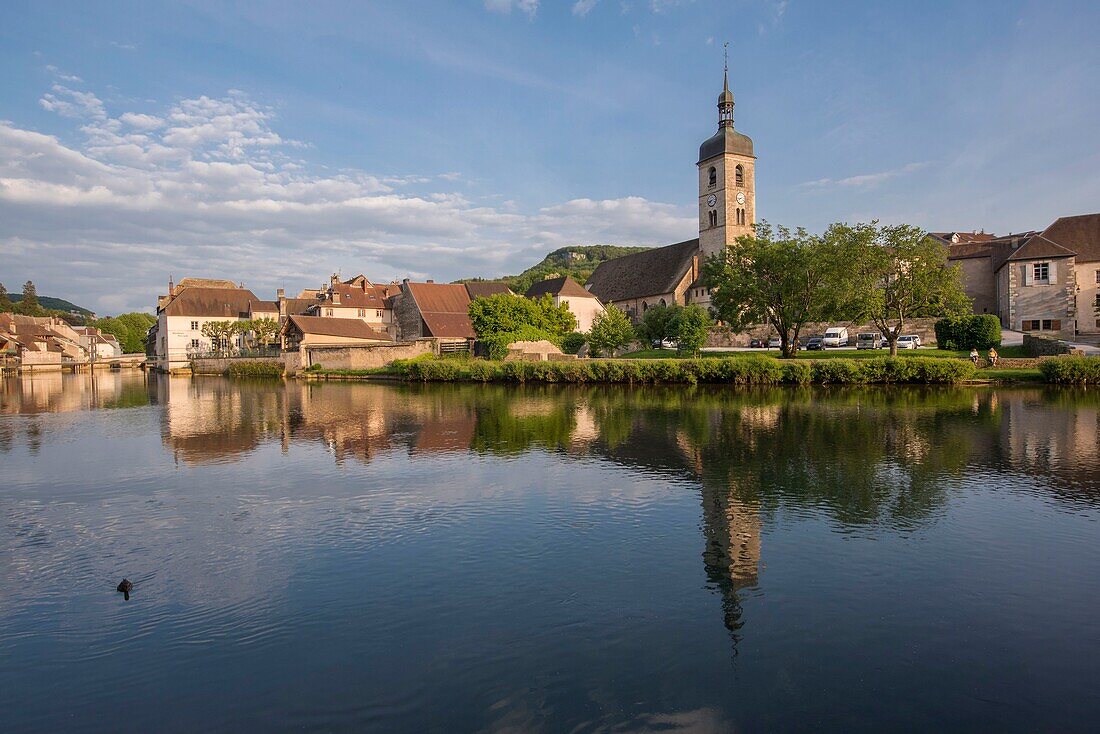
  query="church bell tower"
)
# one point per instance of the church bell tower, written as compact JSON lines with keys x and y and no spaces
{"x":727,"y":183}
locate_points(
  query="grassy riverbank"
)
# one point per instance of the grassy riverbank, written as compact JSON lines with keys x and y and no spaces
{"x":748,"y":370}
{"x":1014,"y":352}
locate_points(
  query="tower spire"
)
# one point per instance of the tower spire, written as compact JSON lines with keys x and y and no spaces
{"x":725,"y":99}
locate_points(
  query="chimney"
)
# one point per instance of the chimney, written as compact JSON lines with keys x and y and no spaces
{"x":280,"y":294}
{"x":334,"y":279}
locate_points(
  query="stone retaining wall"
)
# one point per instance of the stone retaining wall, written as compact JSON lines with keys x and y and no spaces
{"x":357,"y":357}
{"x":1038,"y":346}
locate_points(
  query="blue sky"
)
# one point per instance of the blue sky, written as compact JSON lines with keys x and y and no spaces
{"x":277,"y":142}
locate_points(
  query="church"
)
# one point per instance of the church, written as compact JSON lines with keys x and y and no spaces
{"x":727,"y":210}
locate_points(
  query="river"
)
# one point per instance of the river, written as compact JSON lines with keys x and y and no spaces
{"x":387,"y":557}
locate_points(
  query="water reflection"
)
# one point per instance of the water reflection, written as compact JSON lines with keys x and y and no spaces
{"x":270,"y":477}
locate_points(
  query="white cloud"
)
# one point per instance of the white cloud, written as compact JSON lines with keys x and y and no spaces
{"x":530,"y":7}
{"x":206,"y":186}
{"x":582,"y":8}
{"x":866,"y":180}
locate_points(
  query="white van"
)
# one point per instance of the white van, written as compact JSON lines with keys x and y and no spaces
{"x":869,"y":340}
{"x":835,"y":336}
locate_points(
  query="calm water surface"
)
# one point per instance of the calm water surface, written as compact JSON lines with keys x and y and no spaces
{"x":467,"y":558}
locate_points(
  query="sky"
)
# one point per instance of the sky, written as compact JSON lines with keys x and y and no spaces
{"x":277,"y":143}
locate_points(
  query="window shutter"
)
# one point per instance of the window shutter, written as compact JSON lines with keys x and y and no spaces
{"x":1029,"y":271}
{"x":1056,"y":324}
{"x":1053,"y":274}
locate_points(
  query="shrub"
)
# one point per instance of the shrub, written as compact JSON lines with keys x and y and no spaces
{"x":978,"y":331}
{"x":1071,"y":370}
{"x":256,"y":368}
{"x":571,"y":343}
{"x":841,"y":371}
{"x":798,"y":373}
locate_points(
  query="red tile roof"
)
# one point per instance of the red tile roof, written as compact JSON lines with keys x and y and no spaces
{"x":443,"y":308}
{"x":322,"y":326}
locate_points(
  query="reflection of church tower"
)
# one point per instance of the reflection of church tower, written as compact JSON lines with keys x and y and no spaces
{"x":732,"y":554}
{"x":727,"y":181}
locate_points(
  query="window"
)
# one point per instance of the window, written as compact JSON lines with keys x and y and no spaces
{"x":194,"y":343}
{"x":362,"y":313}
{"x":328,"y":312}
{"x":713,"y":173}
{"x":1041,"y":325}
{"x":194,"y":326}
{"x":645,"y":306}
{"x":739,"y":175}
{"x":378,"y":313}
{"x":712,"y":217}
{"x":1040,"y":273}
{"x":1098,"y":277}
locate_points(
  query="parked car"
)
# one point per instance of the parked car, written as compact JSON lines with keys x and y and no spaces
{"x":869,"y":340}
{"x":773,"y":343}
{"x":908,"y":341}
{"x":756,"y":343}
{"x":835,"y":336}
{"x":665,"y":344}
{"x":815,"y":343}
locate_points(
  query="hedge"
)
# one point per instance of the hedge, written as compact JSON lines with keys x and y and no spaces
{"x":977,"y":331}
{"x":571,"y":343}
{"x":1071,"y":370}
{"x":258,"y":368}
{"x":747,"y":371}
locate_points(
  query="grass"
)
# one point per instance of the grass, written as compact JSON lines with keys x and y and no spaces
{"x":1006,"y":352}
{"x":1010,"y":375}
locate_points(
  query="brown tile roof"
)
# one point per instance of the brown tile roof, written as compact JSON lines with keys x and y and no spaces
{"x":443,"y":308}
{"x":265,"y":307}
{"x":1037,"y":247}
{"x":647,"y":273}
{"x":353,"y":296}
{"x":563,"y":286}
{"x":963,"y":238}
{"x":299,"y":305}
{"x":1080,"y":233}
{"x":206,"y":283}
{"x":322,"y":326}
{"x":481,"y":289}
{"x":211,"y":302}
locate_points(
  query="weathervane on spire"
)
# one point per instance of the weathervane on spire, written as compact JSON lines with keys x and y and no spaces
{"x":725,"y":99}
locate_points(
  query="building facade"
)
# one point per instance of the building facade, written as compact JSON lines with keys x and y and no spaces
{"x":582,"y":304}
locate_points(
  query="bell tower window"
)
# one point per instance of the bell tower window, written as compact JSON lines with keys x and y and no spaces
{"x":713,"y":218}
{"x":713,"y":177}
{"x":739,"y":175}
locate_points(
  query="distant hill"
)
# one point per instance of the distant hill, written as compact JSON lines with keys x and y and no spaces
{"x":577,"y":262}
{"x":54,"y":304}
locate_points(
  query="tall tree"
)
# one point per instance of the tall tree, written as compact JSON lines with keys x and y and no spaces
{"x":5,"y":300}
{"x":782,"y":278}
{"x":657,"y":324}
{"x":29,"y":304}
{"x":692,"y":322}
{"x":899,"y":273}
{"x":610,"y":330}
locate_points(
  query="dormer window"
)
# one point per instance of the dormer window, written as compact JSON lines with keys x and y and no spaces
{"x":739,"y":175}
{"x":713,"y":173}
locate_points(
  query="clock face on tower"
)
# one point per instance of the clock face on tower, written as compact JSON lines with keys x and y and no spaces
{"x":740,"y":197}
{"x":712,"y":200}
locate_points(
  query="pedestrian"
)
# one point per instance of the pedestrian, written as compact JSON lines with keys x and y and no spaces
{"x":993,"y":356}
{"x":974,"y":355}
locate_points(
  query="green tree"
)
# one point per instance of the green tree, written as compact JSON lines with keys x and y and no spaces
{"x":658,"y":323}
{"x":692,"y":323}
{"x":220,"y":334}
{"x":129,"y":328}
{"x":778,"y":277}
{"x":5,"y":301}
{"x":504,"y":313}
{"x":610,"y":330}
{"x":264,"y":331}
{"x":29,"y":304}
{"x":900,"y":273}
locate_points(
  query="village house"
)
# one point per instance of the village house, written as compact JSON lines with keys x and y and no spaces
{"x":582,"y":304}
{"x":40,"y":342}
{"x":97,"y":344}
{"x":188,"y":306}
{"x":438,"y":310}
{"x":727,"y":210}
{"x":1036,"y":281}
{"x":356,"y":298}
{"x":299,"y":332}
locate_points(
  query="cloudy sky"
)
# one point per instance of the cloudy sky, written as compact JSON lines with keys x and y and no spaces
{"x":277,"y":142}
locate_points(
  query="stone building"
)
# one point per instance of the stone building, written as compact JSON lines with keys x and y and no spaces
{"x":438,"y":310}
{"x":1045,"y":281}
{"x":727,"y":210}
